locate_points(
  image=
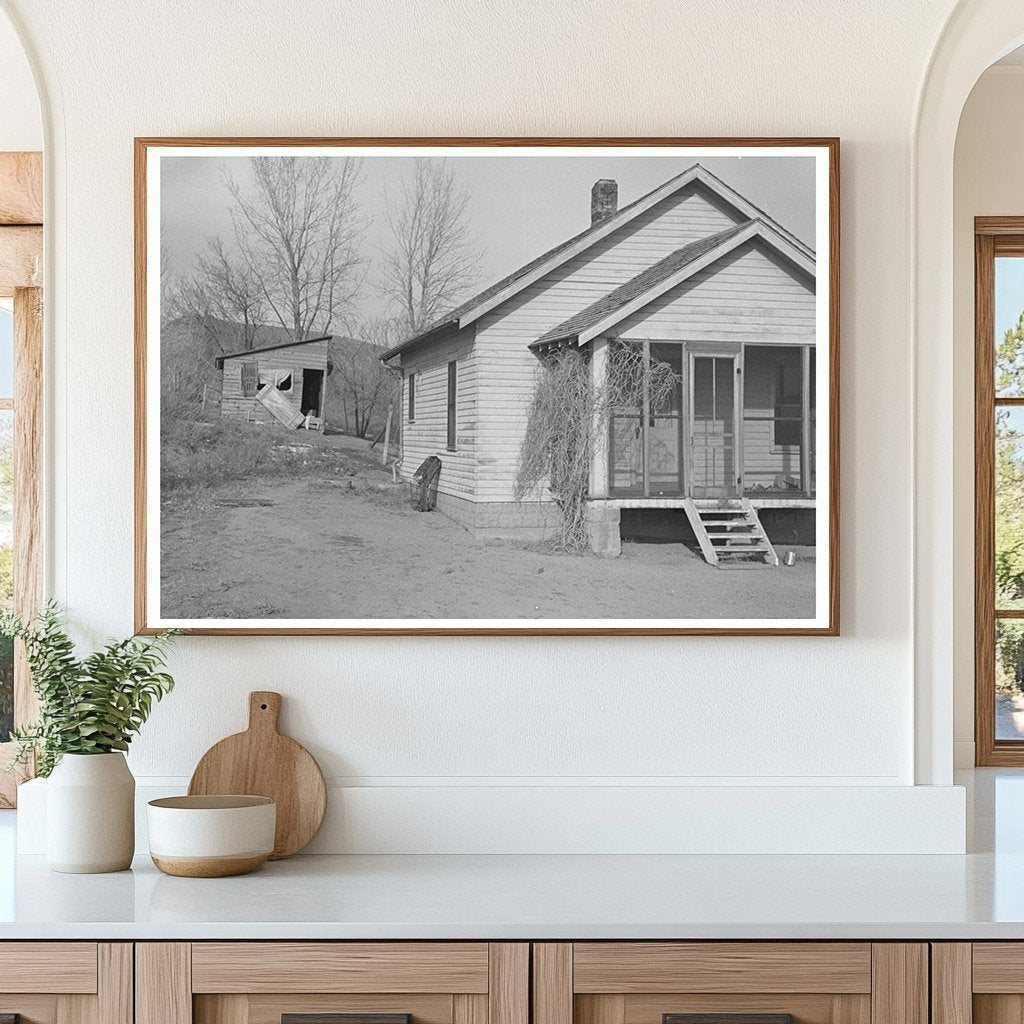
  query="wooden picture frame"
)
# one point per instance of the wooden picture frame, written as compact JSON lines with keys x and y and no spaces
{"x":819,"y":425}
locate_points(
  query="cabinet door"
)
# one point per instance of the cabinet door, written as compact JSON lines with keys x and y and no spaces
{"x":66,"y":983}
{"x":730,"y":983}
{"x":980,"y":982}
{"x":332,"y":983}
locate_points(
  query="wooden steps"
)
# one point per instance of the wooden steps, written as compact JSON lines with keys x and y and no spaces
{"x":730,"y":533}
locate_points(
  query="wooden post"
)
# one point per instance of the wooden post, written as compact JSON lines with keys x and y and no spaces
{"x":28,"y":482}
{"x":599,"y":466}
{"x":387,"y":436}
{"x":646,"y":416}
{"x":805,"y":423}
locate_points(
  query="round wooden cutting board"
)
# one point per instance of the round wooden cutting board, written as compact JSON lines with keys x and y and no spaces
{"x":262,"y":762}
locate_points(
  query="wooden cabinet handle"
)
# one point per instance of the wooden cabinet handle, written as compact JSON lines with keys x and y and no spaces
{"x":726,"y":1018}
{"x":338,"y":1018}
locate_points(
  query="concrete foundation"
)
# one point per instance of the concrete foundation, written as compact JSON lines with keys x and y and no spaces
{"x":502,"y":520}
{"x":603,"y":525}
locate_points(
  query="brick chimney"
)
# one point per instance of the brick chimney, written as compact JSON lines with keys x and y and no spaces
{"x":604,"y":200}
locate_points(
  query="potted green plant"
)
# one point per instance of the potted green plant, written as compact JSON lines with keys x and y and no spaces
{"x":90,"y":708}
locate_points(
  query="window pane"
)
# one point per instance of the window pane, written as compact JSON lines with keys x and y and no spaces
{"x":6,"y":354}
{"x":6,"y":560}
{"x":1009,"y":679}
{"x":1009,"y":512}
{"x":1009,"y":327}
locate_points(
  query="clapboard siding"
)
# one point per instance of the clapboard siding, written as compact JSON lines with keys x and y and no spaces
{"x":507,"y":367}
{"x":748,"y":295}
{"x":428,"y":434}
{"x":292,"y":359}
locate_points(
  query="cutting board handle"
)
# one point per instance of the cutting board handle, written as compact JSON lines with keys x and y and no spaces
{"x":264,"y":710}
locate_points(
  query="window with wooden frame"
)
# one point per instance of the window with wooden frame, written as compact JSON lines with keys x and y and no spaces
{"x":411,"y":384}
{"x":21,"y":365}
{"x":452,"y":391}
{"x":999,"y":490}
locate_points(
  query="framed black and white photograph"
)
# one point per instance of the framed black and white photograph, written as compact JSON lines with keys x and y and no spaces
{"x":487,"y":386}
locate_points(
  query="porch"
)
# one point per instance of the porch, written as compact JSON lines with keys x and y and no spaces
{"x":735,"y":421}
{"x":798,"y":501}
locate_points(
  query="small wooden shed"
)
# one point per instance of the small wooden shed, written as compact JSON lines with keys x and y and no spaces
{"x":296,"y":370}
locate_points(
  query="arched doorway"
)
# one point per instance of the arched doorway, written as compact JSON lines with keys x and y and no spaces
{"x":976,"y":34}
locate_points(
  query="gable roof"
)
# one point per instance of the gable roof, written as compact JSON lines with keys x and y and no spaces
{"x":664,"y":275}
{"x":219,"y":361}
{"x":486,"y":300}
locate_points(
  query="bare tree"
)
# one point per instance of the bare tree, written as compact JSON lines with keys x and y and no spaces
{"x":226,"y":286}
{"x":432,"y":258}
{"x":170,"y":283}
{"x":362,"y":386}
{"x":218,"y":309}
{"x":299,"y":232}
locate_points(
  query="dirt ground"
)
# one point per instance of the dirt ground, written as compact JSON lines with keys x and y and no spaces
{"x":352,"y":547}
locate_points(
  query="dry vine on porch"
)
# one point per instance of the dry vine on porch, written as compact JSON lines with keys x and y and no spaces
{"x":568,"y":413}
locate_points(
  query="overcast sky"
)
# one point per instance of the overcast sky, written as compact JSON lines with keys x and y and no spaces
{"x":518,"y":208}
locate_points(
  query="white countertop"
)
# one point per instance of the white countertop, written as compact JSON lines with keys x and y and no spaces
{"x":516,"y":897}
{"x":978,"y":896}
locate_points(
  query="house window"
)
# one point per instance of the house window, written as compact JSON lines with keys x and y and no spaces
{"x":788,"y":405}
{"x":412,"y":397}
{"x":250,"y":379}
{"x":452,"y":389}
{"x":999,"y":491}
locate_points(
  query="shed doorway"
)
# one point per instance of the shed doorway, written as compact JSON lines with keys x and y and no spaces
{"x":312,"y":392}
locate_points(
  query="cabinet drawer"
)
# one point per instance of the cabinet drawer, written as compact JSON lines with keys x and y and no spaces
{"x":65,"y":967}
{"x":750,"y":967}
{"x":332,"y":983}
{"x":340,"y":967}
{"x":730,"y":983}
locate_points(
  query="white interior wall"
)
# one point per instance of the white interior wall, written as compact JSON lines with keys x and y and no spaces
{"x":440,"y":717}
{"x":21,"y":126}
{"x":987,"y":181}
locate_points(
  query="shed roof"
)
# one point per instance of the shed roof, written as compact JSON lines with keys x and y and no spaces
{"x":269,"y":348}
{"x":664,"y":275}
{"x":508,"y":286}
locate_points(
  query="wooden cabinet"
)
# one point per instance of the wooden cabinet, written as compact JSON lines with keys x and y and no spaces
{"x":978,"y":983}
{"x":66,"y":982}
{"x":758,"y":982}
{"x":494,"y":983}
{"x":264,"y":982}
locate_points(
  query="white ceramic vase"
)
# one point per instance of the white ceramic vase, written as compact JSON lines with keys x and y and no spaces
{"x":90,"y":814}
